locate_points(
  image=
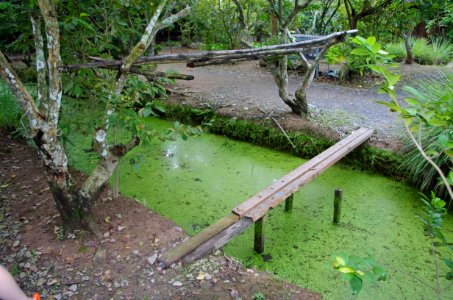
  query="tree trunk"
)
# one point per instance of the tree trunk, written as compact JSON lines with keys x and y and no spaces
{"x":407,"y":43}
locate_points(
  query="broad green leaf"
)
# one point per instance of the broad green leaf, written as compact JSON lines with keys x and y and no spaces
{"x":360,"y":52}
{"x":371,"y":40}
{"x":444,"y":140}
{"x":359,"y":40}
{"x":346,"y":270}
{"x":356,"y":285}
{"x":375,"y":48}
{"x":340,"y":260}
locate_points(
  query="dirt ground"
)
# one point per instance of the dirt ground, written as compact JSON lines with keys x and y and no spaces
{"x":121,"y":265}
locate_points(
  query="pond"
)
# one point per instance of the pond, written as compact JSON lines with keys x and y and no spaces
{"x":198,"y":181}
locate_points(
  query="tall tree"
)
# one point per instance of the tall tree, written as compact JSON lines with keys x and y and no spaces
{"x":298,"y":103}
{"x":74,"y":200}
{"x":357,"y":10}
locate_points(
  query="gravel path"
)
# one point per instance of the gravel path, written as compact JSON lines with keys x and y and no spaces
{"x":246,"y":85}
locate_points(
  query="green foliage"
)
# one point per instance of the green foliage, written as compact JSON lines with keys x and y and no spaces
{"x":427,"y":108}
{"x":437,"y":52}
{"x":432,"y":217}
{"x":367,"y":52}
{"x":258,"y":296}
{"x":433,"y":98}
{"x":417,"y":170}
{"x":10,"y":111}
{"x":335,"y":55}
{"x":356,"y":270}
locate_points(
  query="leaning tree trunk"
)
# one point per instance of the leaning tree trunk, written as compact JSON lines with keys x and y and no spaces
{"x":279,"y":70}
{"x":74,"y":202}
{"x":407,"y":44}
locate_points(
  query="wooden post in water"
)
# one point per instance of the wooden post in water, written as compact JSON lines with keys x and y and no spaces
{"x":337,"y":206}
{"x":289,"y":203}
{"x":259,"y":235}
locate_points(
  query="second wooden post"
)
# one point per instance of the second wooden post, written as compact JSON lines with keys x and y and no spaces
{"x":258,"y":244}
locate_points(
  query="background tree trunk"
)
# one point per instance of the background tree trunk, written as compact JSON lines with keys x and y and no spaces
{"x":407,"y":44}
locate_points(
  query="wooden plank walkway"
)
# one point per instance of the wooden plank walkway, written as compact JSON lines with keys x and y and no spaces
{"x":256,"y":207}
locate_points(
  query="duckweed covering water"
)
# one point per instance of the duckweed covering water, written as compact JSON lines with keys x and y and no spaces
{"x":198,"y":181}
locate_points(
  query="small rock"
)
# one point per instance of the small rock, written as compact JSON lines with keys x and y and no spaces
{"x":51,"y":282}
{"x":40,"y":282}
{"x":16,"y":243}
{"x":100,"y":255}
{"x":121,"y":228}
{"x":73,"y":287}
{"x":136,"y":252}
{"x":57,"y":297}
{"x":235,"y":295}
{"x":85,"y":278}
{"x":152,"y":259}
{"x":177,"y":283}
{"x":207,"y":276}
{"x":201,"y":276}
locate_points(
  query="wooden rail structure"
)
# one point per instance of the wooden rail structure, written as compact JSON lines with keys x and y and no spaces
{"x":254,"y":209}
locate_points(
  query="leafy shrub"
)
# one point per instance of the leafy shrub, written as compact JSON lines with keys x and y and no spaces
{"x":357,"y":54}
{"x":419,"y":171}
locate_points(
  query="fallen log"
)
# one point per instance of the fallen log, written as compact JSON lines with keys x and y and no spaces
{"x":205,"y":56}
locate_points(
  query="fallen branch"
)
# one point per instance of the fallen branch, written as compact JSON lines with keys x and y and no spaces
{"x":269,"y":115}
{"x":205,"y":56}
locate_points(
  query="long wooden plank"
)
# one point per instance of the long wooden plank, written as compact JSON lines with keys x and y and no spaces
{"x":191,"y":244}
{"x":219,"y":233}
{"x":261,"y":209}
{"x":219,"y":240}
{"x":286,"y":180}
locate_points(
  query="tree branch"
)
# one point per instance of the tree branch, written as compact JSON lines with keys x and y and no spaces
{"x":20,"y":92}
{"x":172,"y":19}
{"x":53,"y":60}
{"x":212,"y":55}
{"x":41,"y":67}
{"x":297,"y":8}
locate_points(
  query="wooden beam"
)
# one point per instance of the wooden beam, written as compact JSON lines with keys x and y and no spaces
{"x":218,"y":240}
{"x":205,"y":56}
{"x":188,"y":246}
{"x":333,"y":154}
{"x":262,"y":206}
{"x":218,"y":234}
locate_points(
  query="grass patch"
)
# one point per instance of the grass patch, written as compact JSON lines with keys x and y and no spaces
{"x":10,"y":112}
{"x":437,"y":52}
{"x":417,"y":170}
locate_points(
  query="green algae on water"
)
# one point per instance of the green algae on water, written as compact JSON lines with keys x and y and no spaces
{"x":198,"y":181}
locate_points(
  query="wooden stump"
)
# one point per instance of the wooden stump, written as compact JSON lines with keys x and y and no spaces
{"x":259,"y":235}
{"x":337,"y":206}
{"x":289,"y":203}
